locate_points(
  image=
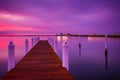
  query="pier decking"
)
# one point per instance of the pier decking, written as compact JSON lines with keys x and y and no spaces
{"x":41,"y":63}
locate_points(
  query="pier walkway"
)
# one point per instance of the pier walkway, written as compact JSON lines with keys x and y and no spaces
{"x":41,"y":63}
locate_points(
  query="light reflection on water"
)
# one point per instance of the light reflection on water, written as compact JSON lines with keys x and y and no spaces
{"x":87,"y":62}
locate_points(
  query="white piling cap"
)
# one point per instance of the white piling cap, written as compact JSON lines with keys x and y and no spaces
{"x":26,"y":40}
{"x":11,"y":43}
{"x":65,"y":44}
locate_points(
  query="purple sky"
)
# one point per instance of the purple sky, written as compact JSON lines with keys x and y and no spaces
{"x":55,"y":16}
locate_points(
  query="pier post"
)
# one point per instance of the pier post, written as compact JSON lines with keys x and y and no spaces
{"x":38,"y":38}
{"x":55,"y":45}
{"x":52,"y":41}
{"x":80,"y":46}
{"x":32,"y":42}
{"x":79,"y":49}
{"x":11,"y":56}
{"x":35,"y":40}
{"x":106,"y":50}
{"x":49,"y":40}
{"x":65,"y":55}
{"x":26,"y":45}
{"x":106,"y":53}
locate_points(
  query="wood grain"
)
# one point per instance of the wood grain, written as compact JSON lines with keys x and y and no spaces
{"x":41,"y":63}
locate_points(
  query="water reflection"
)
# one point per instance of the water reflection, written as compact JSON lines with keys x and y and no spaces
{"x":92,"y":65}
{"x":59,"y":38}
{"x":65,"y":38}
{"x":94,"y":39}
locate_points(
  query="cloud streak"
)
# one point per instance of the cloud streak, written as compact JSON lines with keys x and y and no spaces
{"x":52,"y":16}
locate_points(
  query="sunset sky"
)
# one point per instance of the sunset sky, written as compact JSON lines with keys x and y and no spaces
{"x":59,"y":16}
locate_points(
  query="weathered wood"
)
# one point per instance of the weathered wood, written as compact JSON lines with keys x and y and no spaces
{"x":41,"y":63}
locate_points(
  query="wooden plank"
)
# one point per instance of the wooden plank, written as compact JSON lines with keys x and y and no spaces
{"x":41,"y":63}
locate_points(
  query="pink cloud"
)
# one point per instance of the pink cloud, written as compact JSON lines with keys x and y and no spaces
{"x":9,"y":27}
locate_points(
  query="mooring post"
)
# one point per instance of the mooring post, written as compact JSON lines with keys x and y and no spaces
{"x":52,"y":42}
{"x":55,"y":45}
{"x":79,"y":46}
{"x":11,"y":56}
{"x":32,"y":40}
{"x":79,"y":49}
{"x":65,"y":55}
{"x":49,"y":40}
{"x":38,"y":38}
{"x":26,"y":45}
{"x":35,"y":40}
{"x":106,"y":50}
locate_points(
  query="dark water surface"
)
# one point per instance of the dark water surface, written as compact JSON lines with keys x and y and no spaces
{"x":87,"y":57}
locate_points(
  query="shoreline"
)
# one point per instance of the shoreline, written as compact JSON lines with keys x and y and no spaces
{"x":73,"y":35}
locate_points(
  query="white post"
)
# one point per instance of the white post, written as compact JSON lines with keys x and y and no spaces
{"x":52,"y":42}
{"x":65,"y":55}
{"x":11,"y":56}
{"x":26,"y":45}
{"x":80,"y":46}
{"x":106,"y":50}
{"x":106,"y":41}
{"x":38,"y":38}
{"x":35,"y":40}
{"x":55,"y":45}
{"x":32,"y":42}
{"x":49,"y":40}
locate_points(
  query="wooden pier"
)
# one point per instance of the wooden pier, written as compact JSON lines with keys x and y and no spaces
{"x":41,"y":63}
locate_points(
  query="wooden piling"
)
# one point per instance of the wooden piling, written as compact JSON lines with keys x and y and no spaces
{"x":41,"y":63}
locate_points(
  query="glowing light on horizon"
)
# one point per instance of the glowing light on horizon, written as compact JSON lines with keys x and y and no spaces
{"x":58,"y":38}
{"x":65,"y":38}
{"x":95,"y":39}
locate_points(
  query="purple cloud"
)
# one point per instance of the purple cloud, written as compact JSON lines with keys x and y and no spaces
{"x":73,"y":16}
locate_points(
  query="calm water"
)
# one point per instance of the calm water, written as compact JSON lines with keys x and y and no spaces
{"x":87,"y":62}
